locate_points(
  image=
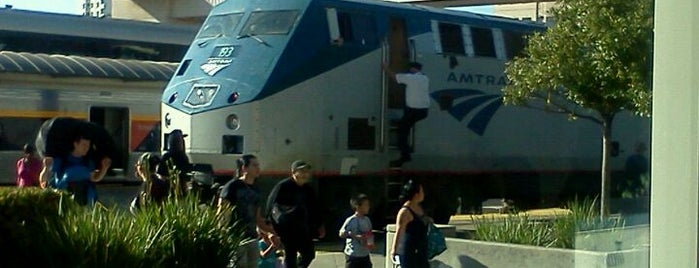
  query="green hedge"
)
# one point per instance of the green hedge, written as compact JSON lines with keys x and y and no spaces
{"x":47,"y":228}
{"x":557,"y":233}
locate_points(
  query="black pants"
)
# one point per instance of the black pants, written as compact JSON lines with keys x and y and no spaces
{"x":297,"y":243}
{"x":410,"y":117}
{"x":414,"y":260}
{"x":357,"y":262}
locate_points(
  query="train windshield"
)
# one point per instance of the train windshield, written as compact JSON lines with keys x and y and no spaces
{"x":220,"y":25}
{"x":270,"y":22}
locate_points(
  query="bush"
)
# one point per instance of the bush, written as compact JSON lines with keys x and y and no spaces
{"x":24,"y":214}
{"x":559,"y":233}
{"x":47,"y":228}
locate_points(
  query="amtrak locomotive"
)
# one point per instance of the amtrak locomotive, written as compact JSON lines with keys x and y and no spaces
{"x":302,"y":79}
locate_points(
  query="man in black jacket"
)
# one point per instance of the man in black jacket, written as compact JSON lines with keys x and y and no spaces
{"x":296,"y":216}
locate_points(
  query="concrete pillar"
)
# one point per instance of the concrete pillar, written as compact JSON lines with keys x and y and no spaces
{"x":675,"y":135}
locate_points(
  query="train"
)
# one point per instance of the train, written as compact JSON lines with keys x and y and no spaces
{"x":302,"y":79}
{"x":110,"y":72}
{"x":125,"y":109}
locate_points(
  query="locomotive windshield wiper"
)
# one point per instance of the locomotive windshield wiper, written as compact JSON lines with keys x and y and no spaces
{"x":253,"y":36}
{"x":205,"y":41}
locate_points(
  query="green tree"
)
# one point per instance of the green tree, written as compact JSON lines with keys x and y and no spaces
{"x":592,"y":64}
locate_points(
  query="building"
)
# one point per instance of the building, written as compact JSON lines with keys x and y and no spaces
{"x":162,"y":11}
{"x":538,"y":11}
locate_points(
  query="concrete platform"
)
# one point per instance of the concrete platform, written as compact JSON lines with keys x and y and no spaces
{"x":337,"y":259}
{"x":329,"y":254}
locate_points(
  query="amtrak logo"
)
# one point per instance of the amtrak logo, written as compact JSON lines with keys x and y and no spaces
{"x":214,"y":65}
{"x":461,"y":102}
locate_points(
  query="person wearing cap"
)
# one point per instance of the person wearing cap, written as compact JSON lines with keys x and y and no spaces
{"x":295,"y":213}
{"x":28,"y":168}
{"x":417,"y":103}
{"x":175,"y":158}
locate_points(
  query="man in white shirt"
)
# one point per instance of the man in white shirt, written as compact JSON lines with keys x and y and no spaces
{"x":417,"y":103}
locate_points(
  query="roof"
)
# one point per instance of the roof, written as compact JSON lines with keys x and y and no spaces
{"x":26,"y":21}
{"x":78,"y":66}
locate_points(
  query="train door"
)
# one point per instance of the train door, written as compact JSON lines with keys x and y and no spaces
{"x":116,"y":121}
{"x":398,"y":56}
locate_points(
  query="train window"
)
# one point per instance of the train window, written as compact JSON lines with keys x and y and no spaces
{"x":220,"y":25}
{"x":183,"y":67}
{"x":146,"y":136}
{"x":344,"y":22}
{"x":232,"y":144}
{"x":16,"y":131}
{"x":352,"y":28}
{"x":364,"y":29}
{"x":360,"y":135}
{"x":270,"y":22}
{"x":483,"y":44}
{"x":514,"y":43}
{"x":451,"y":39}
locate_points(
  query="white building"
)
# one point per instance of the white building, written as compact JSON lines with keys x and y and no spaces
{"x":162,"y":11}
{"x":538,"y":11}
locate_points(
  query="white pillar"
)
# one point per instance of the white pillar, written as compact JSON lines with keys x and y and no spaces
{"x":675,"y":135}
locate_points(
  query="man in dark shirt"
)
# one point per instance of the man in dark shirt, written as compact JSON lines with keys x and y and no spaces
{"x":240,"y":199}
{"x":295,"y":213}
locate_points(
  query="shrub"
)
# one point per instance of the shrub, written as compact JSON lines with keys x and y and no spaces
{"x":49,"y":229}
{"x":518,"y":228}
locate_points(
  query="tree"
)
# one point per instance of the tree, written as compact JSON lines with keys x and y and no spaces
{"x":592,"y":64}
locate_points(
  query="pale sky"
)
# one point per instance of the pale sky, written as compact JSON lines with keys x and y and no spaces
{"x":53,"y":6}
{"x":478,"y":9}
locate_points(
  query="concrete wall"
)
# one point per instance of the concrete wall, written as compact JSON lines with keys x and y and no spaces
{"x":479,"y":254}
{"x":674,"y":213}
{"x":614,"y":239}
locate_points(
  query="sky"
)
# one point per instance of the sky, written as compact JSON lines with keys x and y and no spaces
{"x":478,"y":9}
{"x":53,"y":6}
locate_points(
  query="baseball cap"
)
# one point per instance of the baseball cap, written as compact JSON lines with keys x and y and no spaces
{"x":178,"y":132}
{"x":299,"y":164}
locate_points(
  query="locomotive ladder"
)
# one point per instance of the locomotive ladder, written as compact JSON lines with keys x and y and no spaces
{"x":393,"y":182}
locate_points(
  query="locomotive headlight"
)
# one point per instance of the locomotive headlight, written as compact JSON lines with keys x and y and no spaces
{"x":201,"y":95}
{"x":168,"y":120}
{"x":232,"y":122}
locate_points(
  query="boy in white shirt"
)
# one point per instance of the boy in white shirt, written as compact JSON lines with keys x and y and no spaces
{"x":359,"y":241}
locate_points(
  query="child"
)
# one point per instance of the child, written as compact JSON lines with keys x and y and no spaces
{"x":154,"y":188}
{"x":359,"y":241}
{"x":268,"y":256}
{"x":28,"y":168}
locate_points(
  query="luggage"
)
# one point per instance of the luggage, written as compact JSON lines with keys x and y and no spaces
{"x":55,"y":138}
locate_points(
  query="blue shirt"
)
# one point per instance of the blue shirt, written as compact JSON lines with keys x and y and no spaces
{"x":356,"y":225}
{"x":74,"y":169}
{"x":269,"y":261}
